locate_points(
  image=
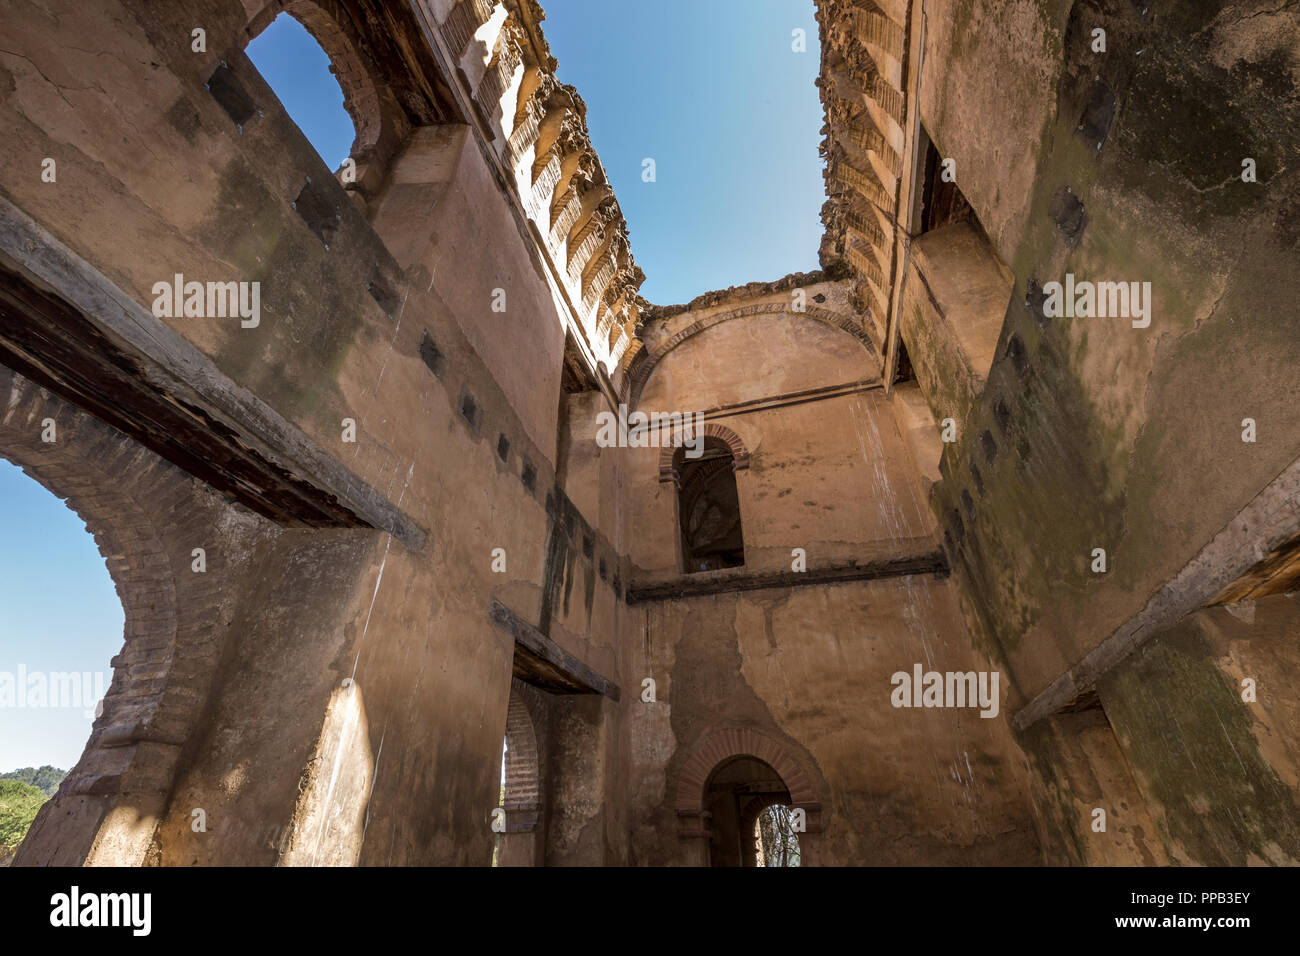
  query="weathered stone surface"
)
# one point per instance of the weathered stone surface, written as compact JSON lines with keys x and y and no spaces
{"x":384,"y":458}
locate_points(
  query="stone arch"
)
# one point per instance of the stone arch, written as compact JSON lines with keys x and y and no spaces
{"x":723,"y":744}
{"x":144,"y":514}
{"x":668,"y":466}
{"x":324,"y":20}
{"x":641,"y":364}
{"x":386,"y":102}
{"x":523,"y":776}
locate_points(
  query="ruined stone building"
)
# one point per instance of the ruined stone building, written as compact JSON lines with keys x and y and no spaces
{"x":1033,"y":423}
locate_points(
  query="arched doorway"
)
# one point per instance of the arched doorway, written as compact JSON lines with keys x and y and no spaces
{"x":737,"y":793}
{"x":733,"y":775}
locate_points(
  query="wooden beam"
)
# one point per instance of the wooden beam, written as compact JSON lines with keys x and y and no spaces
{"x":1265,"y":525}
{"x":67,"y":327}
{"x":738,"y":579}
{"x":543,"y":663}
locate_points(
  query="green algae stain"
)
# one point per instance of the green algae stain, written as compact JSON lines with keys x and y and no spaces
{"x":1188,"y":737}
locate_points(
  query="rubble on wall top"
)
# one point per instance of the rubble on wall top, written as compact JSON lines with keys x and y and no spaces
{"x":750,"y":290}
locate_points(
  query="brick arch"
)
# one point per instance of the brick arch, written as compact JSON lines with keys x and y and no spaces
{"x":668,"y":470}
{"x":723,"y":744}
{"x":134,"y":555}
{"x":325,"y":21}
{"x":523,"y":775}
{"x":380,"y":92}
{"x":145,"y":515}
{"x":641,"y":364}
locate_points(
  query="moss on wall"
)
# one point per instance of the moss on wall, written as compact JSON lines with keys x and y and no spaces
{"x":1189,"y":738}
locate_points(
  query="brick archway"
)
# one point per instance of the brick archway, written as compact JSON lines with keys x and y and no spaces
{"x":328,"y":22}
{"x":523,"y":777}
{"x":384,"y":101}
{"x":723,"y":744}
{"x":146,"y":516}
{"x":739,"y":453}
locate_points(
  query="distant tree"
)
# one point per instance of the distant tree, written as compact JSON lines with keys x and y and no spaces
{"x":46,"y":778}
{"x":777,"y":843}
{"x":18,"y":805}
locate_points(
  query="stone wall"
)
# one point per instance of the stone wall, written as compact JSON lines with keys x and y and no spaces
{"x":358,"y":712}
{"x":1122,"y":164}
{"x":147,"y":517}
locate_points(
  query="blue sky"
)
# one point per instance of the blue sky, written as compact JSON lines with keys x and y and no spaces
{"x":295,"y":66}
{"x":710,"y":89}
{"x":60,"y":613}
{"x":713,"y":92}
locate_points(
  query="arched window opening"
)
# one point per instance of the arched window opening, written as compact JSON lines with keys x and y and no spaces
{"x":708,"y":508}
{"x":775,"y":841}
{"x":61,"y":625}
{"x":300,"y":72}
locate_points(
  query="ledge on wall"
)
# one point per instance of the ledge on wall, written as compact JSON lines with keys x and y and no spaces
{"x":970,"y":290}
{"x":924,"y":558}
